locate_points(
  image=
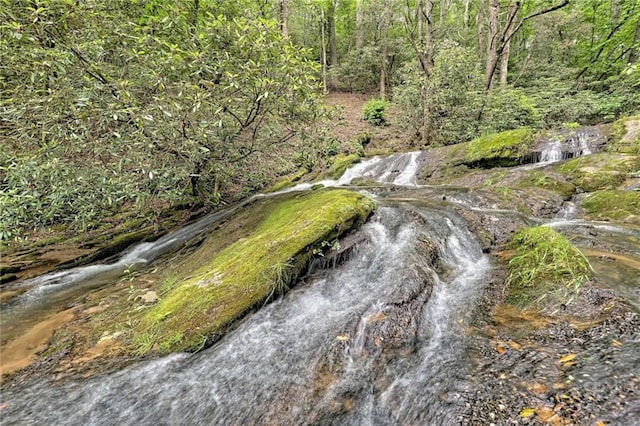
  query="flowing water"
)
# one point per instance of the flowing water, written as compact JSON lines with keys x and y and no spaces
{"x":382,"y":339}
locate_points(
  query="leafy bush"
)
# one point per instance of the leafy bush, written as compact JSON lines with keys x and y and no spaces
{"x":373,"y":112}
{"x":358,"y":71}
{"x":442,"y":108}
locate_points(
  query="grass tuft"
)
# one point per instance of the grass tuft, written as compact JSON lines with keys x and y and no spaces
{"x":547,"y":270}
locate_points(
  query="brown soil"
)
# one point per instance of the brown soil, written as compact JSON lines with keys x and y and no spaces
{"x":21,"y":352}
{"x":350,"y":126}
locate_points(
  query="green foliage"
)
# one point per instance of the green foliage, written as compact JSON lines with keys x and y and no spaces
{"x":505,"y":148}
{"x":143,"y":101}
{"x":547,"y":270}
{"x":230,"y":281}
{"x":510,"y":108}
{"x":373,"y":112}
{"x":444,"y":104}
{"x":359,"y":71}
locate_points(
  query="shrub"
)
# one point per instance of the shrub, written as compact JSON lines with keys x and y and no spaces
{"x":373,"y":112}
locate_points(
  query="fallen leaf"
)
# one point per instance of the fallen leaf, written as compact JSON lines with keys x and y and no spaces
{"x":342,"y":338}
{"x":500,"y":349}
{"x":515,"y":346}
{"x":615,"y":342}
{"x":527,"y":412}
{"x":567,"y":358}
{"x":600,"y":423}
{"x":538,"y":388}
{"x":545,"y":413}
{"x":4,"y":405}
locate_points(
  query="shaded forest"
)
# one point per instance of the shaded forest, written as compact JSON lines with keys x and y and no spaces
{"x":147,"y":105}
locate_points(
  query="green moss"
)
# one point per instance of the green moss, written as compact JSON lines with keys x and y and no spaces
{"x":287,"y":181}
{"x":340,"y":163}
{"x":599,"y":171}
{"x":623,"y":138}
{"x":536,"y":179}
{"x":500,"y":149}
{"x":546,"y":271}
{"x":248,"y":272}
{"x":510,"y":198}
{"x":613,"y":205}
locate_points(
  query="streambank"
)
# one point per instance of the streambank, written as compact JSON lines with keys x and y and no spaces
{"x":189,"y":298}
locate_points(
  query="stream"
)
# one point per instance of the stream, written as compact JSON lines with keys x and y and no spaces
{"x":393,"y":336}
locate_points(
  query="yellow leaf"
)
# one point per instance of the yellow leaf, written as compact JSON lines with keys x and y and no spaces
{"x":342,"y":338}
{"x":527,"y":412}
{"x":615,"y":342}
{"x":600,"y":423}
{"x":500,"y":349}
{"x":567,"y":358}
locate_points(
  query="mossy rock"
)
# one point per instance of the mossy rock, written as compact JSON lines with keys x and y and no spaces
{"x":613,"y":205}
{"x":536,"y":179}
{"x":200,"y":307}
{"x":546,"y":270}
{"x":340,"y":164}
{"x":507,"y":148}
{"x":625,"y":135}
{"x":600,"y":171}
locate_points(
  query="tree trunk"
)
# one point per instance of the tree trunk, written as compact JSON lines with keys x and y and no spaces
{"x":323,"y":42}
{"x":429,"y":48}
{"x":359,"y":24}
{"x":420,"y":24}
{"x":333,"y":43}
{"x":506,"y":40}
{"x":428,"y":128}
{"x":385,"y":21}
{"x":492,"y":42}
{"x":284,"y":17}
{"x":383,"y":72}
{"x":466,"y":14}
{"x":480,"y":31}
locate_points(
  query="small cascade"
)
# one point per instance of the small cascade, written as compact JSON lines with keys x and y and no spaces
{"x":568,"y":144}
{"x":397,"y":169}
{"x":552,"y":152}
{"x":323,"y":343}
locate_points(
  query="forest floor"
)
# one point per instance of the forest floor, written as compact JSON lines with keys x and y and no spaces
{"x":350,"y":125}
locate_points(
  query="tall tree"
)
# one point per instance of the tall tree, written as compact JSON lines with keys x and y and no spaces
{"x":360,"y":30}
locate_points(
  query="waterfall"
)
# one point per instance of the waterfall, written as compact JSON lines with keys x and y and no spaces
{"x":551,"y":152}
{"x":274,"y":368}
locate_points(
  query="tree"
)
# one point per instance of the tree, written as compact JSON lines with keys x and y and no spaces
{"x":145,"y":101}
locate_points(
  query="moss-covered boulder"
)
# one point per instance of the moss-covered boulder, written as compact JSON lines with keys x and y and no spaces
{"x":204,"y":302}
{"x":548,"y":181}
{"x":600,"y":171}
{"x":613,"y":205}
{"x":546,"y":270}
{"x":507,"y":148}
{"x":625,"y":135}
